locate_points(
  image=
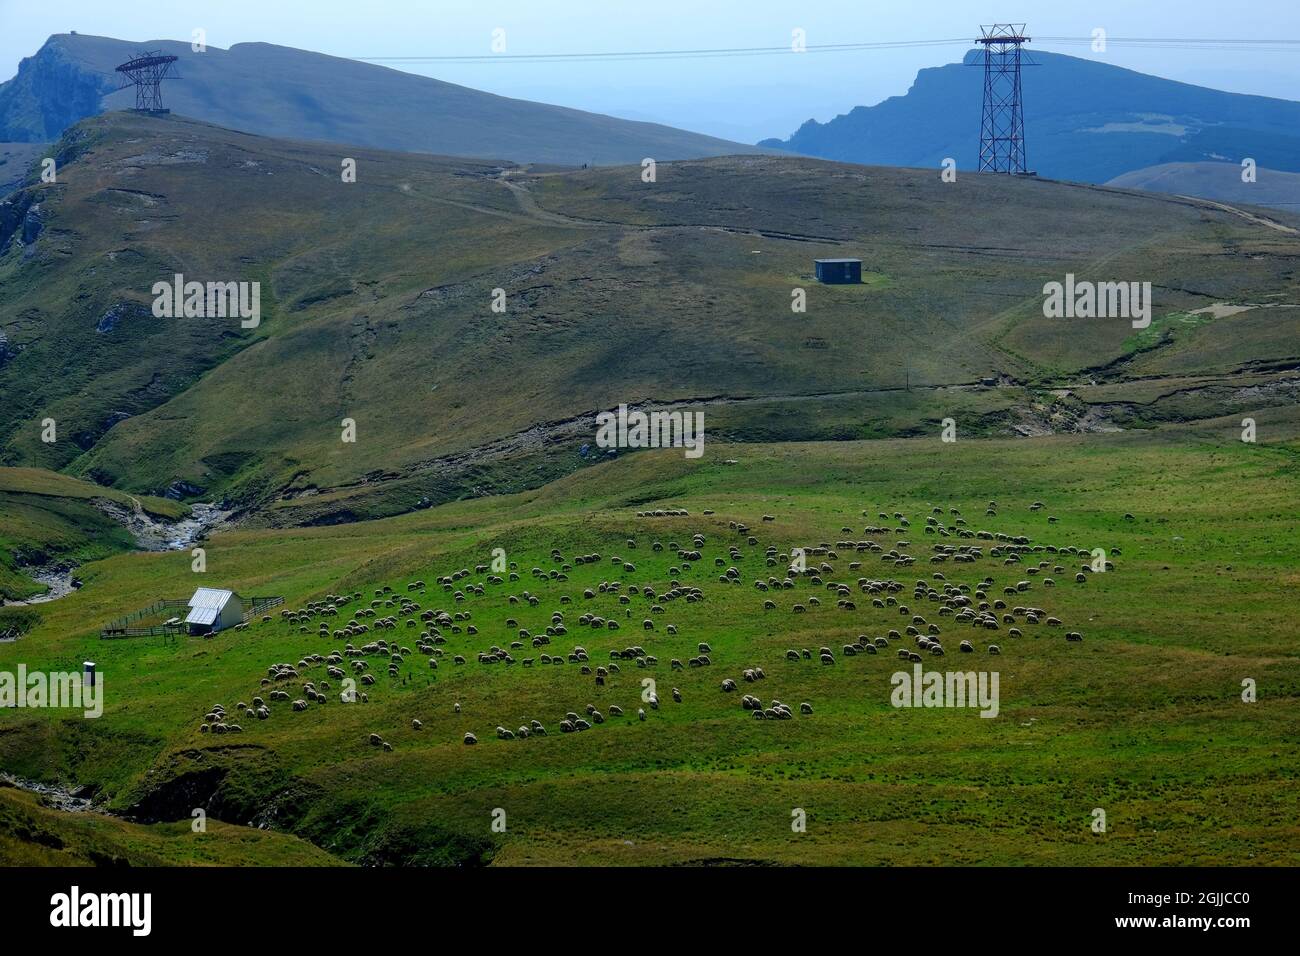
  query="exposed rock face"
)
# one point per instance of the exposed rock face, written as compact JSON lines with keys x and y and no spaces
{"x":14,"y":212}
{"x":181,"y":489}
{"x":50,"y":93}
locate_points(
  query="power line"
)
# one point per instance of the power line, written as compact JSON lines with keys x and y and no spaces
{"x":1166,"y":43}
{"x":659,"y":54}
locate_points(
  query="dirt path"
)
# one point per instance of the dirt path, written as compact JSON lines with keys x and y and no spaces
{"x":1248,"y":216}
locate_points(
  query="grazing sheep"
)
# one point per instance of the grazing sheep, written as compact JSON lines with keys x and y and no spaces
{"x":805,"y":708}
{"x":470,"y":739}
{"x":415,"y":724}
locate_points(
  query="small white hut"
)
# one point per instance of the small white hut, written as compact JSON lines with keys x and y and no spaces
{"x":212,"y":610}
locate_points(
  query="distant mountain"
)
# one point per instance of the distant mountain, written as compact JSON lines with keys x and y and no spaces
{"x":1085,"y":121}
{"x":295,"y":94}
{"x":1220,"y":181}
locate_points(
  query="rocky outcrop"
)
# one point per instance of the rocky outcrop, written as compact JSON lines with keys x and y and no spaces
{"x":50,"y":92}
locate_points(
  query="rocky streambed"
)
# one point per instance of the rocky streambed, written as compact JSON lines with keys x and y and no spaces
{"x":157,"y":534}
{"x":151,"y":533}
{"x":60,"y":798}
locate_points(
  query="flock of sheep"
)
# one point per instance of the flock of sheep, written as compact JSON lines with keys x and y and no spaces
{"x":941,"y":607}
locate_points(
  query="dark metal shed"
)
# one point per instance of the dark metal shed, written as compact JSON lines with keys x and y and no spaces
{"x":838,"y":271}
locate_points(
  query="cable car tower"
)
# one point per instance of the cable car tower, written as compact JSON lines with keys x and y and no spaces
{"x":146,"y":72}
{"x":1002,"y":127}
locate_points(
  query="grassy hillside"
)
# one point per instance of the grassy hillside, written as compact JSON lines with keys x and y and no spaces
{"x":32,"y":834}
{"x":1143,"y":718}
{"x":51,"y":519}
{"x":1221,"y":181}
{"x":376,"y":307}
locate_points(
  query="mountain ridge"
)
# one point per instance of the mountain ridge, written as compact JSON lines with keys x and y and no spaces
{"x":315,"y":96}
{"x":1085,"y":121}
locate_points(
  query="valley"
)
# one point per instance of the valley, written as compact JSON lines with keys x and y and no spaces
{"x":404,"y":463}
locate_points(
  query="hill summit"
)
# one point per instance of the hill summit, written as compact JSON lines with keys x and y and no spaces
{"x":296,"y":94}
{"x":1085,"y":121}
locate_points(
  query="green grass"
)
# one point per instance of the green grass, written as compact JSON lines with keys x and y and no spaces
{"x":32,"y":834}
{"x":1164,"y":330}
{"x":47,"y":518}
{"x":375,"y":307}
{"x":617,"y":290}
{"x":1143,"y":719}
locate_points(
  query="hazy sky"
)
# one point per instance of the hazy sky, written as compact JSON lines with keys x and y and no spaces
{"x":744,"y":98}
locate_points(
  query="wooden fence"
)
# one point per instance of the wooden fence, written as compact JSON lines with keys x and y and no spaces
{"x":122,"y":627}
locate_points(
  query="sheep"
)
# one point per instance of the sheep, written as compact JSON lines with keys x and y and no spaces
{"x":805,"y":708}
{"x":640,"y":713}
{"x":470,"y":739}
{"x":415,"y":724}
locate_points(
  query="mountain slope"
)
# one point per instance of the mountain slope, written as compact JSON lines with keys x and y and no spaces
{"x":1216,"y":181}
{"x":376,"y":307}
{"x":1085,"y":121}
{"x":280,"y":91}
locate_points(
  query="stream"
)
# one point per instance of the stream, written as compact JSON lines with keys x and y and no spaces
{"x":60,"y":798}
{"x":151,"y":535}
